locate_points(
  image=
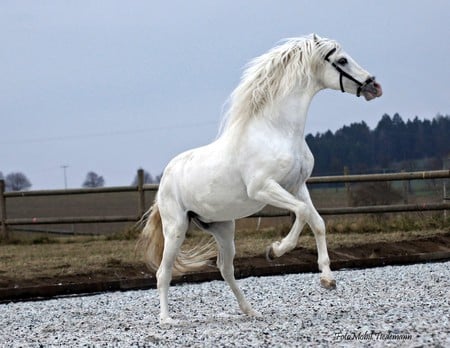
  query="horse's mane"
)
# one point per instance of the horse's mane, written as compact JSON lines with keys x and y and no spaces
{"x":271,"y":76}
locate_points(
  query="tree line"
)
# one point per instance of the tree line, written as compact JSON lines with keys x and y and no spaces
{"x":18,"y":181}
{"x":393,"y":145}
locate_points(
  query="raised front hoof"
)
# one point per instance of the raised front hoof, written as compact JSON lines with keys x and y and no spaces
{"x":270,"y":256}
{"x":328,"y":283}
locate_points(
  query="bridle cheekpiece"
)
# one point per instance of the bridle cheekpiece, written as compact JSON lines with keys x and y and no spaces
{"x":343,"y":74}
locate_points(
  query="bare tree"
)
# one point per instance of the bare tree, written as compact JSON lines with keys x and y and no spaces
{"x":93,"y":180}
{"x":17,"y":182}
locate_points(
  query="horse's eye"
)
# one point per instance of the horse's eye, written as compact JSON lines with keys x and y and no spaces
{"x":342,"y":61}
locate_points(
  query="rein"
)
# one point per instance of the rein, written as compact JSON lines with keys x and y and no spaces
{"x":343,"y":74}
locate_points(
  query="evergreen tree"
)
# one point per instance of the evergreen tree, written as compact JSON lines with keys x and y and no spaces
{"x":393,"y":144}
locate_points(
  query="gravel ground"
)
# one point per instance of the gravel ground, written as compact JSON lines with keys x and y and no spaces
{"x":389,"y":306}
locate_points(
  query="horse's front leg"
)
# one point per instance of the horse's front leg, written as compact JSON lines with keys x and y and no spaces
{"x":288,"y":243}
{"x":272,"y":193}
{"x":317,"y":225}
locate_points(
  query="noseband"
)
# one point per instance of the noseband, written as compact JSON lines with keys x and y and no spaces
{"x":343,"y":73}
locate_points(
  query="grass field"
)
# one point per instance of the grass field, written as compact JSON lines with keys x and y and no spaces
{"x":29,"y":256}
{"x":42,"y":257}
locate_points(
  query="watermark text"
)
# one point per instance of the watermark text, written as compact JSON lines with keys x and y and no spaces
{"x":372,"y":336}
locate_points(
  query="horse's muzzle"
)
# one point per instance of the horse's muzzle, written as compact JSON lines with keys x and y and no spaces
{"x":371,"y":90}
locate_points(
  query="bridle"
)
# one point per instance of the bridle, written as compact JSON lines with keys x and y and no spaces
{"x":343,"y":73}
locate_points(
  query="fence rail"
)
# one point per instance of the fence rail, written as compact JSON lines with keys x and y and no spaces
{"x":433,"y":174}
{"x":141,"y":206}
{"x":373,"y":209}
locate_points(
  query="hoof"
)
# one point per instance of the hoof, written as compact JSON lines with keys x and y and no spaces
{"x":270,"y":256}
{"x":328,"y":283}
{"x":167,"y":321}
{"x":252,"y":313}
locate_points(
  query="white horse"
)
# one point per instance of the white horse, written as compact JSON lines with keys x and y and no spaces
{"x":259,"y":158}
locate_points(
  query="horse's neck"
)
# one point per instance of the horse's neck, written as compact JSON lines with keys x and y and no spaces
{"x":292,"y":114}
{"x":289,"y":117}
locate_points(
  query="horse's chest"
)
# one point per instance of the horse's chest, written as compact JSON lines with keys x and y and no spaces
{"x":295,"y":169}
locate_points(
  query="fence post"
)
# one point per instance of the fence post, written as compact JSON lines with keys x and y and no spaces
{"x":405,"y":184}
{"x":3,"y":227}
{"x":444,"y":183}
{"x":141,"y":193}
{"x":347,"y":188}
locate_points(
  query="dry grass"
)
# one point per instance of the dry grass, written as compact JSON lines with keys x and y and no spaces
{"x":59,"y":257}
{"x":254,"y":243}
{"x":41,"y":256}
{"x":63,"y":258}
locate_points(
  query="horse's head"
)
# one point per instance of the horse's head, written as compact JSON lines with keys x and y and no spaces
{"x":341,"y":72}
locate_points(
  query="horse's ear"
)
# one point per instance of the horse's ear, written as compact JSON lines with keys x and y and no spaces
{"x":316,"y":38}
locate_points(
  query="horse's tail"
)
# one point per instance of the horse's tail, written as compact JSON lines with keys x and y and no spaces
{"x":151,"y":239}
{"x":151,"y":242}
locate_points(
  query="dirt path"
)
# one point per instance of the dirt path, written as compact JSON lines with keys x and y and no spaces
{"x":244,"y":266}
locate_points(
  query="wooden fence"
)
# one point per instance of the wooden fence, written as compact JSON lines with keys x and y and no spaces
{"x":141,"y":188}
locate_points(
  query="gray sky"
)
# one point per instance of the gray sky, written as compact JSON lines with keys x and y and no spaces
{"x":111,"y":86}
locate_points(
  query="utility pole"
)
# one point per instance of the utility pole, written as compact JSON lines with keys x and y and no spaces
{"x":64,"y":167}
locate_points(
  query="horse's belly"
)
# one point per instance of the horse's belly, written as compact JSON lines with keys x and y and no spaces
{"x":231,"y":211}
{"x":221,"y":202}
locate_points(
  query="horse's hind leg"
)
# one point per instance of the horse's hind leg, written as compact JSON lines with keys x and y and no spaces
{"x":223,"y":232}
{"x":174,"y":229}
